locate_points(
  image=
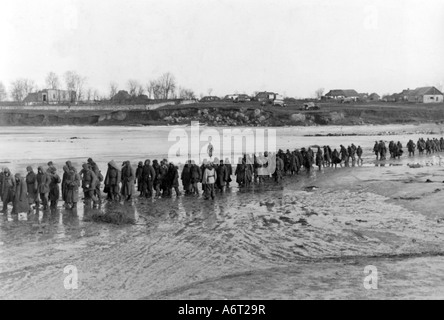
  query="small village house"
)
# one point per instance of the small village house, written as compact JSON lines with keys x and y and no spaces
{"x":51,"y":96}
{"x":374,"y":97}
{"x":339,"y":94}
{"x":423,"y":95}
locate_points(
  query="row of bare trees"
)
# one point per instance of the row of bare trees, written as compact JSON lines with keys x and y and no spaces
{"x":162,"y":88}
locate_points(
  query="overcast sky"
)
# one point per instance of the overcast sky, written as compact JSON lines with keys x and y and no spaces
{"x":291,"y":47}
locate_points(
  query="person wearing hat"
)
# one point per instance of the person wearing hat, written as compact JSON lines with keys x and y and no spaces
{"x":112,"y":181}
{"x":54,"y":190}
{"x":147,"y":179}
{"x":72,"y":185}
{"x":128,"y":181}
{"x":95,"y":168}
{"x":139,"y":171}
{"x":20,"y":203}
{"x":31,"y":188}
{"x":221,"y":173}
{"x":8,"y":189}
{"x":43,"y":180}
{"x":89,"y":183}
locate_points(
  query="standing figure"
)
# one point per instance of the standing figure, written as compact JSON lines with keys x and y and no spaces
{"x":89,"y":184}
{"x":221,"y":172}
{"x":95,"y":168}
{"x":186,"y":177}
{"x":32,"y":188}
{"x":157,"y":178}
{"x":319,"y":159}
{"x":128,"y":181}
{"x":112,"y":181}
{"x":20,"y":203}
{"x":139,"y":179}
{"x":54,"y":190}
{"x":196,"y":176}
{"x":8,"y":189}
{"x":376,"y":149}
{"x":359,"y":154}
{"x":72,"y":185}
{"x":43,"y":181}
{"x":209,"y":176}
{"x":173,"y":180}
{"x":148,"y":177}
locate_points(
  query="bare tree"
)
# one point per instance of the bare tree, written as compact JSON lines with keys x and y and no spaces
{"x":20,"y":88}
{"x":186,"y":94}
{"x":3,"y":93}
{"x":89,"y":94}
{"x":52,"y":81}
{"x":140,"y":90}
{"x":96,"y":95}
{"x":75,"y":82}
{"x":132,"y":87}
{"x":112,"y":89}
{"x":210,"y":91}
{"x":168,"y":84}
{"x":319,"y":93}
{"x":150,"y":88}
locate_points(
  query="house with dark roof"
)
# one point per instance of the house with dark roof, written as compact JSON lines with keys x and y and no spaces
{"x":50,"y":96}
{"x":423,"y":95}
{"x":342,"y":94}
{"x":374,"y":97}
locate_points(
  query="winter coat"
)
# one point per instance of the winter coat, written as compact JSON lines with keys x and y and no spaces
{"x":43,"y":180}
{"x":128,"y":178}
{"x":221,"y":172}
{"x":72,"y":185}
{"x":186,"y":175}
{"x":113,"y":174}
{"x":8,"y":187}
{"x":20,"y":203}
{"x":54,"y":190}
{"x":32,"y":187}
{"x":209,"y":176}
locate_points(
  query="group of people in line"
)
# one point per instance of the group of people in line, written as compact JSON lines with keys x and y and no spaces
{"x":429,"y":146}
{"x":159,"y":179}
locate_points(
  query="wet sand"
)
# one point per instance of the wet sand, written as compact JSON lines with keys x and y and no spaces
{"x":288,"y":241}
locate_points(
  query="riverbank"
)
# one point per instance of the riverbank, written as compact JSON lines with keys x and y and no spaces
{"x":225,"y":114}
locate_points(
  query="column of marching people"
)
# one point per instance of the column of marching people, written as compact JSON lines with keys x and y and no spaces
{"x":41,"y":189}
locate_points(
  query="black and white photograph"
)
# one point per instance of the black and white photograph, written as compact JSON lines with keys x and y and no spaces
{"x":221,"y":150}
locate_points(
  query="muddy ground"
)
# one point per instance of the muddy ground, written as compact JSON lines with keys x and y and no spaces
{"x":309,"y":238}
{"x":272,"y":242}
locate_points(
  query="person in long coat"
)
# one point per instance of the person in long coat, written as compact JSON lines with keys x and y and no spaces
{"x":221,"y":171}
{"x":64,"y":178}
{"x":139,"y":179}
{"x":112,"y":181}
{"x":319,"y":159}
{"x":8,"y":189}
{"x":32,"y":188}
{"x":72,"y":188}
{"x":54,"y":189}
{"x":20,"y":203}
{"x":229,"y":172}
{"x":196,"y":176}
{"x":173,"y":179}
{"x":158,"y":177}
{"x":43,"y":180}
{"x":89,"y":184}
{"x":186,"y":177}
{"x":148,"y":177}
{"x":128,"y":180}
{"x":240,"y":173}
